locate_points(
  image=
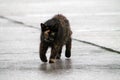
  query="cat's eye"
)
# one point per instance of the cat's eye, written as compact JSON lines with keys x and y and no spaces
{"x":52,"y":34}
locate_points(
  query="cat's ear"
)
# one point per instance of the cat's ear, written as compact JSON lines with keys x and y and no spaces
{"x":42,"y":26}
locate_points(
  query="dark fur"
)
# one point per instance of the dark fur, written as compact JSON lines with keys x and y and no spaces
{"x":55,"y":33}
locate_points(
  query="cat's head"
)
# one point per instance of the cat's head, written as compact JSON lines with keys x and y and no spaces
{"x":48,"y":32}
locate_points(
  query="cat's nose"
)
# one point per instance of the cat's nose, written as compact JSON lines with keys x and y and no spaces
{"x":51,"y":39}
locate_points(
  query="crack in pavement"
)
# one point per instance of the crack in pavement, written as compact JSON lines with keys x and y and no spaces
{"x":18,"y":22}
{"x":86,"y":42}
{"x":93,"y":44}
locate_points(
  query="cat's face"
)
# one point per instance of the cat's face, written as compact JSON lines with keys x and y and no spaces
{"x":49,"y":33}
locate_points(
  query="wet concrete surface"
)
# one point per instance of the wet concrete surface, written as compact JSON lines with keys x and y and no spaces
{"x":19,"y":58}
{"x":92,"y":20}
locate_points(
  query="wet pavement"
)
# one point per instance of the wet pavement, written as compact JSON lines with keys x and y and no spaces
{"x":19,"y":40}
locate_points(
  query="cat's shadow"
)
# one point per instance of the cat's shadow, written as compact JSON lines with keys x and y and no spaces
{"x":59,"y":65}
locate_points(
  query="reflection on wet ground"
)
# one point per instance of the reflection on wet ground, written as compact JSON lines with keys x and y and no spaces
{"x":22,"y":61}
{"x":59,"y":65}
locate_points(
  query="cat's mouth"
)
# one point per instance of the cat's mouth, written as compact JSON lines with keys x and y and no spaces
{"x":49,"y":40}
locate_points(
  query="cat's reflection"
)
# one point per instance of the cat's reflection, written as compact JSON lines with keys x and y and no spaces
{"x":58,"y":65}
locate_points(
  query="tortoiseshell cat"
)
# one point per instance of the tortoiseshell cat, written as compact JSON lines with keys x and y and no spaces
{"x":55,"y":33}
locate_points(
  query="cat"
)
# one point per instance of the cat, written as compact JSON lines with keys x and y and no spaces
{"x":55,"y":33}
